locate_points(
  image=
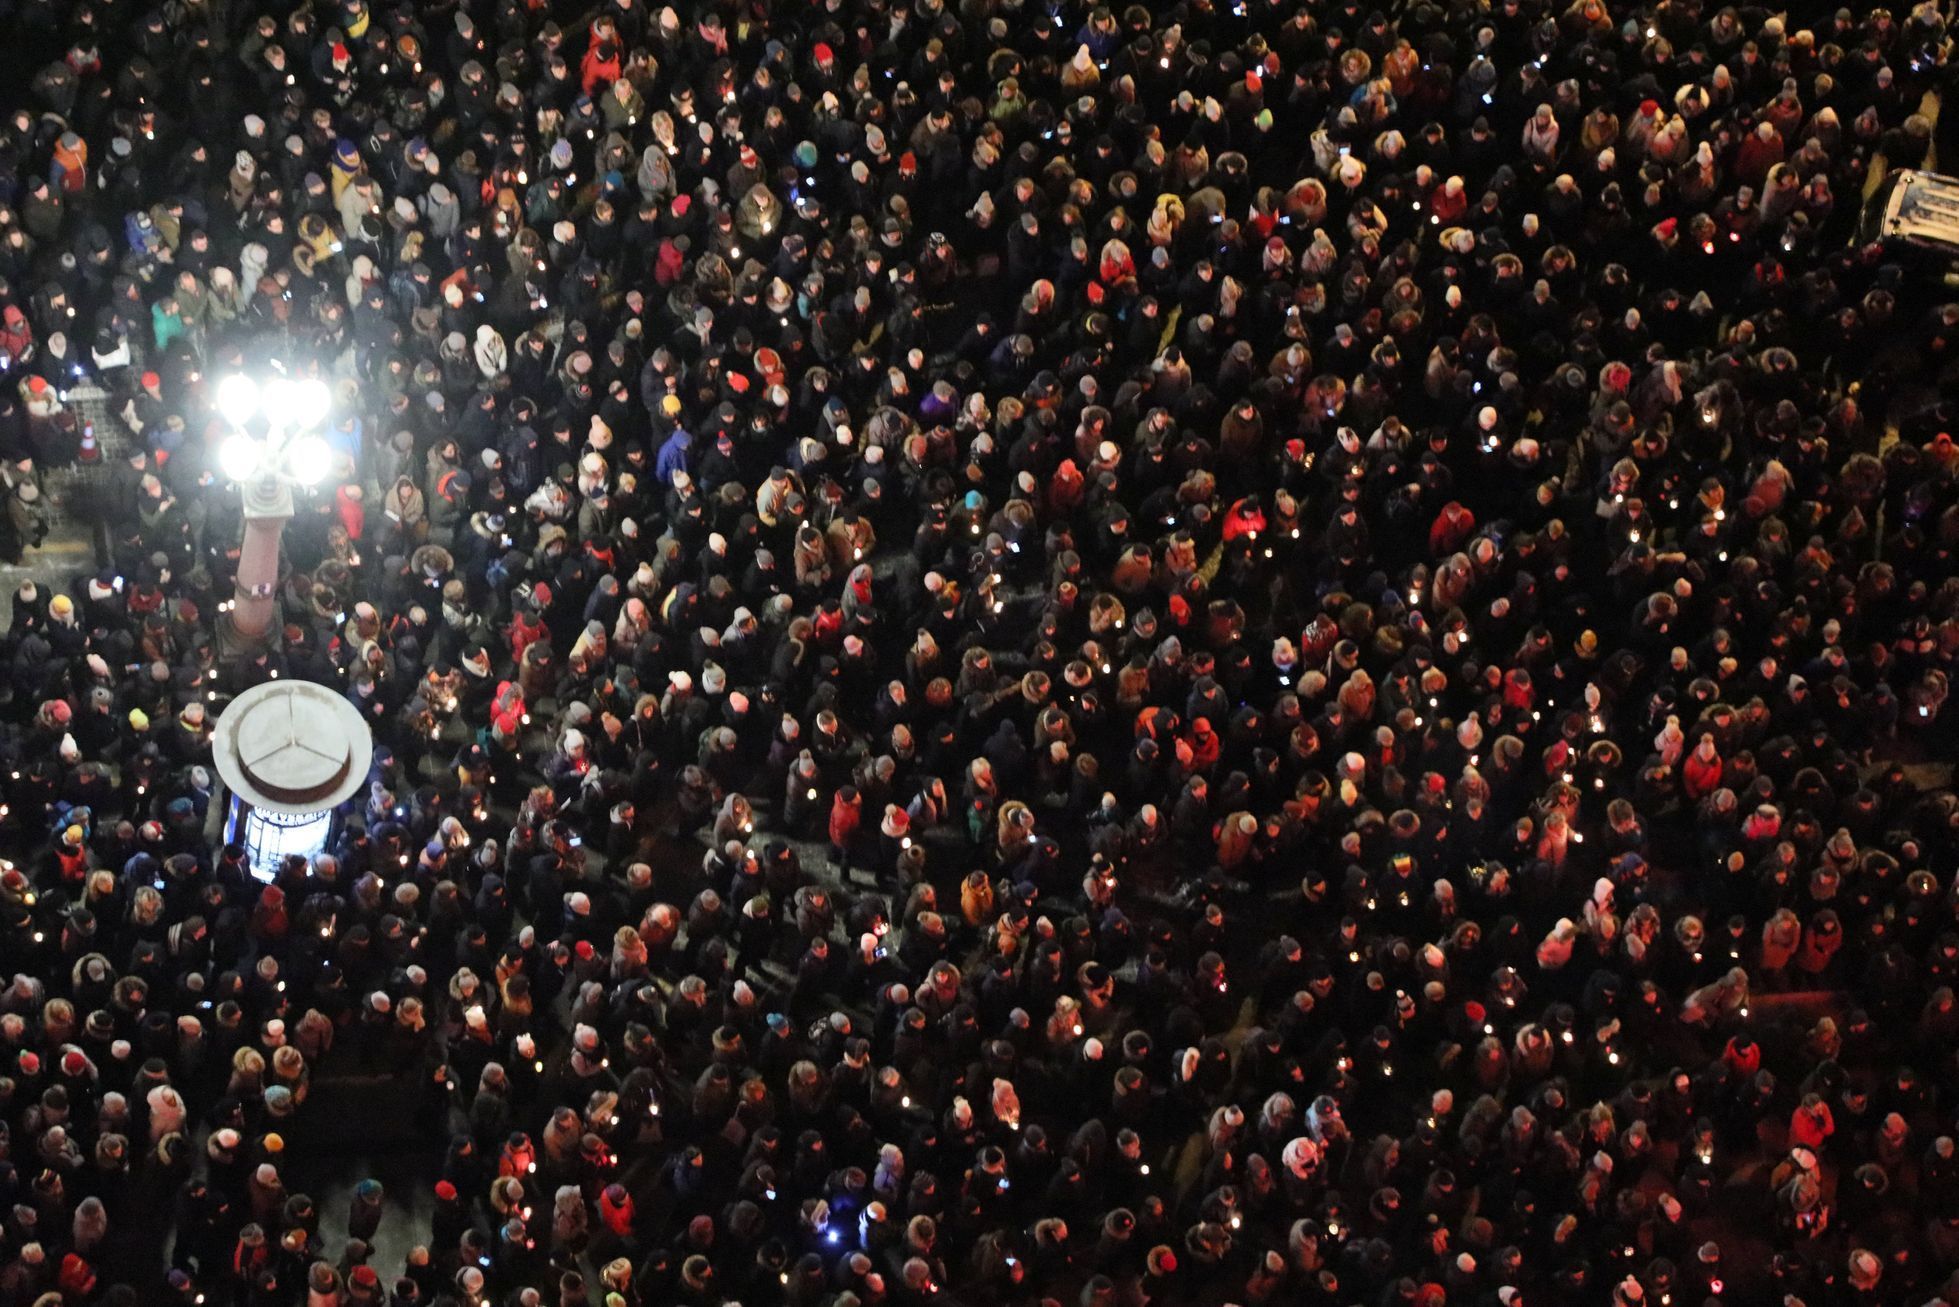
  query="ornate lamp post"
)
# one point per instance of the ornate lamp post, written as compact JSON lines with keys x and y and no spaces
{"x":274,"y":445}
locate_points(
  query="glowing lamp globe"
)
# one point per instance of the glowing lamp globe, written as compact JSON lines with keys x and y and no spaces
{"x":239,"y":456}
{"x":309,"y":458}
{"x":238,"y":399}
{"x":311,"y":402}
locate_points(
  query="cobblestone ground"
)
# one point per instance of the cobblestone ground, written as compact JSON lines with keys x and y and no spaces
{"x":67,"y":551}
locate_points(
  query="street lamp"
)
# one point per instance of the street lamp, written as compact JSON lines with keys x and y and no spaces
{"x":273,"y":445}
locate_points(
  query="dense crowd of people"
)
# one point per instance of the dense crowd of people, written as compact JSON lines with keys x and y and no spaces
{"x":1239,"y":652}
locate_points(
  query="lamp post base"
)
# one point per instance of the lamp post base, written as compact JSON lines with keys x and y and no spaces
{"x":236,"y":644}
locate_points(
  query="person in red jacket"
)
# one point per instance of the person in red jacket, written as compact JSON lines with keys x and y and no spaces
{"x":16,"y":336}
{"x":77,"y":1278}
{"x":507,"y":714}
{"x":349,"y":503}
{"x":1811,"y":1124}
{"x":1448,"y":202}
{"x":1700,"y":775}
{"x":1205,"y":746}
{"x":71,"y":854}
{"x":1743,"y":1057}
{"x":1244,"y":521}
{"x":525,"y":630}
{"x":846,"y":813}
{"x":1452,"y":526}
{"x":616,"y":1210}
{"x":601,"y":67}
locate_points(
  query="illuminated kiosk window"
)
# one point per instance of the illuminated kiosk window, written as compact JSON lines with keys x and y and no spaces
{"x":269,"y":837}
{"x":291,"y":753}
